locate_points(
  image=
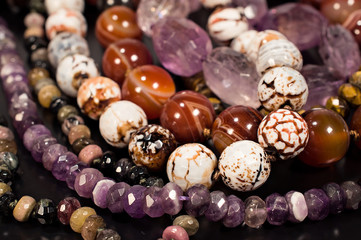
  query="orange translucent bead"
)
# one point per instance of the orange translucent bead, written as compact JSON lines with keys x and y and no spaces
{"x":338,"y":10}
{"x":356,"y":125}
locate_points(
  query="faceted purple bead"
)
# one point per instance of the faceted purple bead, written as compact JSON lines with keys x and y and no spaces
{"x":218,"y":206}
{"x":62,"y":165}
{"x":133,"y":201}
{"x":16,"y":89}
{"x":14,"y":78}
{"x":73,"y":172}
{"x":235,"y":213}
{"x":277,"y":209}
{"x":40,"y":144}
{"x":26,"y":123}
{"x":171,"y":202}
{"x":199,"y":200}
{"x":9,"y":56}
{"x":100,"y":191}
{"x":23,"y":105}
{"x":51,"y":154}
{"x":181,"y":45}
{"x":33,"y":133}
{"x":66,"y":207}
{"x":297,"y":206}
{"x":86,"y":180}
{"x":152,"y":204}
{"x":255,"y":213}
{"x":318,"y":204}
{"x":12,"y":68}
{"x":253,"y":9}
{"x":300,"y":23}
{"x":232,"y":77}
{"x":115,"y":197}
{"x":353,"y":194}
{"x":337,"y":197}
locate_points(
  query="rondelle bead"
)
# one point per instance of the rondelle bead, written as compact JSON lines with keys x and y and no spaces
{"x":115,"y":196}
{"x":8,"y":146}
{"x":338,"y":105}
{"x":318,"y":204}
{"x":337,"y":197}
{"x":277,"y":209}
{"x":65,"y":209}
{"x":10,"y":160}
{"x":65,"y":112}
{"x":215,"y":3}
{"x":175,"y":233}
{"x":23,"y":208}
{"x":282,"y":87}
{"x":79,"y":131}
{"x":351,"y":93}
{"x":100,"y":191}
{"x":86,"y":180}
{"x":4,"y":188}
{"x":40,"y":54}
{"x":218,"y":206}
{"x":171,"y":201}
{"x":6,"y":134}
{"x":154,"y":182}
{"x":81,"y":143}
{"x":244,"y":166}
{"x":57,"y":104}
{"x":133,"y":201}
{"x":255,"y":213}
{"x":152,"y":205}
{"x":235,"y":213}
{"x":34,"y":32}
{"x":297,"y":206}
{"x":105,"y":163}
{"x":70,"y":122}
{"x":79,"y":216}
{"x":353,"y":194}
{"x":8,"y":202}
{"x":73,"y":172}
{"x":90,"y":228}
{"x":191,"y":164}
{"x":44,"y":211}
{"x":34,"y":19}
{"x":119,"y":120}
{"x":356,"y":125}
{"x":40,"y":144}
{"x":89,"y":153}
{"x":5,"y":174}
{"x":189,"y":223}
{"x":33,"y":133}
{"x":62,"y":165}
{"x":108,"y":234}
{"x":43,"y":83}
{"x":198,"y":200}
{"x":121,"y":169}
{"x":47,"y":94}
{"x":52,"y":6}
{"x":137,"y":175}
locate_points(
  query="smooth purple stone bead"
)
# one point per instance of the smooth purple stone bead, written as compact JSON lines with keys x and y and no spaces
{"x":9,"y":56}
{"x":318,"y":204}
{"x":340,"y":51}
{"x":23,"y":105}
{"x":17,"y":88}
{"x":353,"y":194}
{"x":235,"y":213}
{"x":277,"y":209}
{"x":253,"y":9}
{"x":26,"y":123}
{"x":171,"y":194}
{"x":181,"y":45}
{"x":297,"y":206}
{"x":337,"y":197}
{"x":14,"y":78}
{"x":199,"y":200}
{"x":73,"y":172}
{"x":51,"y":154}
{"x":152,"y":204}
{"x":218,"y":206}
{"x":62,"y":165}
{"x":115,"y":197}
{"x":86,"y":180}
{"x":33,"y":133}
{"x":100,"y":191}
{"x":133,"y":201}
{"x":40,"y":144}
{"x":12,"y":68}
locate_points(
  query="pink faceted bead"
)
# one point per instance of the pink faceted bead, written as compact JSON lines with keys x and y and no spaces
{"x":175,"y":233}
{"x":89,"y":153}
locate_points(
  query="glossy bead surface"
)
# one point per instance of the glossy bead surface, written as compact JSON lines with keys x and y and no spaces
{"x":338,"y":105}
{"x":100,"y":191}
{"x":154,"y":182}
{"x":4,"y":188}
{"x":40,"y":144}
{"x":215,"y":3}
{"x":51,"y":155}
{"x":277,"y":209}
{"x":337,"y":11}
{"x":355,"y":79}
{"x":62,"y":165}
{"x":70,"y":122}
{"x":137,"y":175}
{"x":187,"y":114}
{"x":8,"y":202}
{"x":73,"y":172}
{"x":6,"y":176}
{"x":218,"y":206}
{"x":133,"y":201}
{"x":175,"y":232}
{"x":171,"y":202}
{"x":23,"y":208}
{"x":152,"y":205}
{"x":329,"y":138}
{"x":81,"y":143}
{"x":189,"y":223}
{"x":10,"y":160}
{"x":115,"y":196}
{"x":356,"y":125}
{"x":105,"y":163}
{"x":91,"y":225}
{"x":318,"y":204}
{"x":235,"y":213}
{"x":79,"y":131}
{"x":43,"y":83}
{"x":116,"y":23}
{"x":255,"y":212}
{"x":8,"y":146}
{"x":65,"y":209}
{"x":89,"y":153}
{"x":297,"y":206}
{"x":337,"y":197}
{"x":108,"y":234}
{"x":66,"y":111}
{"x":86,"y":180}
{"x":351,"y":93}
{"x":57,"y":104}
{"x":6,"y":134}
{"x":353,"y":194}
{"x":121,"y":169}
{"x":79,"y":216}
{"x":52,"y":6}
{"x":198,"y":200}
{"x":44,"y":211}
{"x":47,"y":94}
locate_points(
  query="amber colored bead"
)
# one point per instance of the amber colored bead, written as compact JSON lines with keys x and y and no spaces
{"x":36,"y":74}
{"x":217,"y":105}
{"x":350,"y":93}
{"x":234,"y":124}
{"x":352,"y":23}
{"x":24,"y":208}
{"x":338,"y":105}
{"x":187,"y":114}
{"x":329,"y":138}
{"x":336,"y":11}
{"x":66,"y":111}
{"x":79,"y":131}
{"x":355,"y":79}
{"x":116,"y":23}
{"x":123,"y":56}
{"x":79,"y":216}
{"x":4,"y":188}
{"x":149,"y":87}
{"x":8,"y":146}
{"x":42,"y":83}
{"x":198,"y":84}
{"x":91,"y":225}
{"x":47,"y":94}
{"x":356,"y":125}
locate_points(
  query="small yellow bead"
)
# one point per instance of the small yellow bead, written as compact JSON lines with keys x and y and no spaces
{"x":4,"y":188}
{"x":47,"y":94}
{"x":24,"y":208}
{"x":350,"y":93}
{"x":36,"y":74}
{"x":79,"y":216}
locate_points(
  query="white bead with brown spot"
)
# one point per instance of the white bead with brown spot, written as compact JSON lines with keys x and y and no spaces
{"x":214,"y":3}
{"x":54,"y":5}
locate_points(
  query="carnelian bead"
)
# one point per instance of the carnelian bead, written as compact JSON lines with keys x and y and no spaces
{"x":336,"y":11}
{"x":356,"y":125}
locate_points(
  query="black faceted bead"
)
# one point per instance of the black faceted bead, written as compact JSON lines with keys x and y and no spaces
{"x":10,"y":160}
{"x":154,"y":181}
{"x":45,"y":211}
{"x":5,"y":174}
{"x":121,"y":169}
{"x":57,"y":103}
{"x":40,"y":64}
{"x":137,"y":175}
{"x":33,"y":43}
{"x":81,"y":143}
{"x":8,"y":202}
{"x":105,"y":163}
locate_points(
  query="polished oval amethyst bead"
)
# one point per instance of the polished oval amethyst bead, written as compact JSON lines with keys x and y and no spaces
{"x":235,"y":213}
{"x":152,"y":205}
{"x":337,"y":197}
{"x":297,"y":206}
{"x":12,"y":68}
{"x":198,"y":201}
{"x":42,"y":143}
{"x":115,"y":197}
{"x":353,"y":194}
{"x":62,"y":165}
{"x":51,"y":154}
{"x":318,"y":204}
{"x":100,"y":191}
{"x":86,"y":180}
{"x":218,"y":206}
{"x":16,"y":88}
{"x":277,"y":209}
{"x":171,"y":194}
{"x":33,"y":133}
{"x":24,"y":104}
{"x":73,"y":172}
{"x":133,"y":201}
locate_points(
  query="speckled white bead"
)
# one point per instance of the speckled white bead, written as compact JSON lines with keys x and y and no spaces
{"x":281,"y":87}
{"x":243,"y":41}
{"x":34,"y":19}
{"x":297,"y":206}
{"x":284,"y":130}
{"x":190,"y":164}
{"x":224,"y":24}
{"x":278,"y":53}
{"x":214,"y":3}
{"x":119,"y":120}
{"x":54,"y":5}
{"x":244,"y":166}
{"x":72,"y":71}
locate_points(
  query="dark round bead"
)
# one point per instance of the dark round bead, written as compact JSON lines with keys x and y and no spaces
{"x":5,"y":174}
{"x":81,"y":143}
{"x":337,"y":197}
{"x":154,"y":182}
{"x":137,"y":175}
{"x":8,"y":202}
{"x":44,"y":211}
{"x":105,"y":163}
{"x":33,"y":43}
{"x":10,"y":160}
{"x":40,"y":64}
{"x":121,"y":169}
{"x":57,"y":103}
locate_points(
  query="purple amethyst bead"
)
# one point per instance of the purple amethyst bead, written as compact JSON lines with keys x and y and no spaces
{"x":14,"y":78}
{"x":9,"y":56}
{"x":16,"y":89}
{"x":152,"y":204}
{"x":235,"y":213}
{"x":62,"y":165}
{"x":181,"y":45}
{"x":218,"y":206}
{"x":353,"y":194}
{"x":23,"y":104}
{"x":199,"y":200}
{"x":73,"y":172}
{"x":26,"y":123}
{"x":115,"y":197}
{"x":33,"y":133}
{"x":277,"y":209}
{"x":297,"y":206}
{"x":337,"y":197}
{"x":318,"y":204}
{"x":86,"y":180}
{"x":253,"y":9}
{"x":40,"y":145}
{"x":100,"y":191}
{"x":171,"y":194}
{"x":133,"y":201}
{"x":51,"y":154}
{"x":12,"y":68}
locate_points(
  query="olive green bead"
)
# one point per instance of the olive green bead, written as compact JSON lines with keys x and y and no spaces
{"x":42,"y":83}
{"x":78,"y":131}
{"x":350,"y":93}
{"x":47,"y":94}
{"x":66,"y":111}
{"x":36,"y":74}
{"x":4,"y":188}
{"x":81,"y":143}
{"x":91,"y":226}
{"x":338,"y":105}
{"x":356,"y":79}
{"x":189,"y":223}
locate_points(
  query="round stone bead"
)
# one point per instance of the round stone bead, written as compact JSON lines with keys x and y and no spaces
{"x":152,"y":205}
{"x":100,"y":192}
{"x":337,"y":197}
{"x":6,"y":175}
{"x":72,"y":71}
{"x":8,"y":202}
{"x":79,"y":216}
{"x":119,"y":121}
{"x":329,"y":138}
{"x":151,"y":146}
{"x":133,"y":201}
{"x":351,"y":93}
{"x":36,"y":74}
{"x":181,"y":45}
{"x":277,"y":209}
{"x":255,"y":212}
{"x":65,"y":209}
{"x":121,"y":169}
{"x":198,"y":200}
{"x":79,"y":131}
{"x":355,"y":78}
{"x":187,"y":114}
{"x":96,"y":94}
{"x":107,"y":234}
{"x":318,"y":204}
{"x":91,"y":225}
{"x":338,"y":105}
{"x":234,"y":124}
{"x":4,"y":188}
{"x":43,"y":83}
{"x":244,"y":166}
{"x":137,"y":175}
{"x":86,"y":180}
{"x":23,"y":208}
{"x":171,"y":202}
{"x":235,"y":213}
{"x":40,"y":144}
{"x":218,"y":206}
{"x":282,"y":87}
{"x":10,"y":160}
{"x":81,"y":143}
{"x":149,"y":87}
{"x":351,"y":24}
{"x":8,"y":146}
{"x":40,"y":54}
{"x":73,"y":172}
{"x":116,"y":23}
{"x":189,"y":223}
{"x":215,"y":3}
{"x":123,"y":56}
{"x":356,"y":125}
{"x":33,"y":133}
{"x":89,"y":153}
{"x":191,"y":164}
{"x":353,"y":194}
{"x":44,"y":211}
{"x":52,"y":6}
{"x":70,"y":122}
{"x":175,"y":232}
{"x":6,"y":134}
{"x":336,"y":11}
{"x":65,"y":112}
{"x":47,"y":94}
{"x":115,"y":196}
{"x":297,"y":206}
{"x":63,"y":164}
